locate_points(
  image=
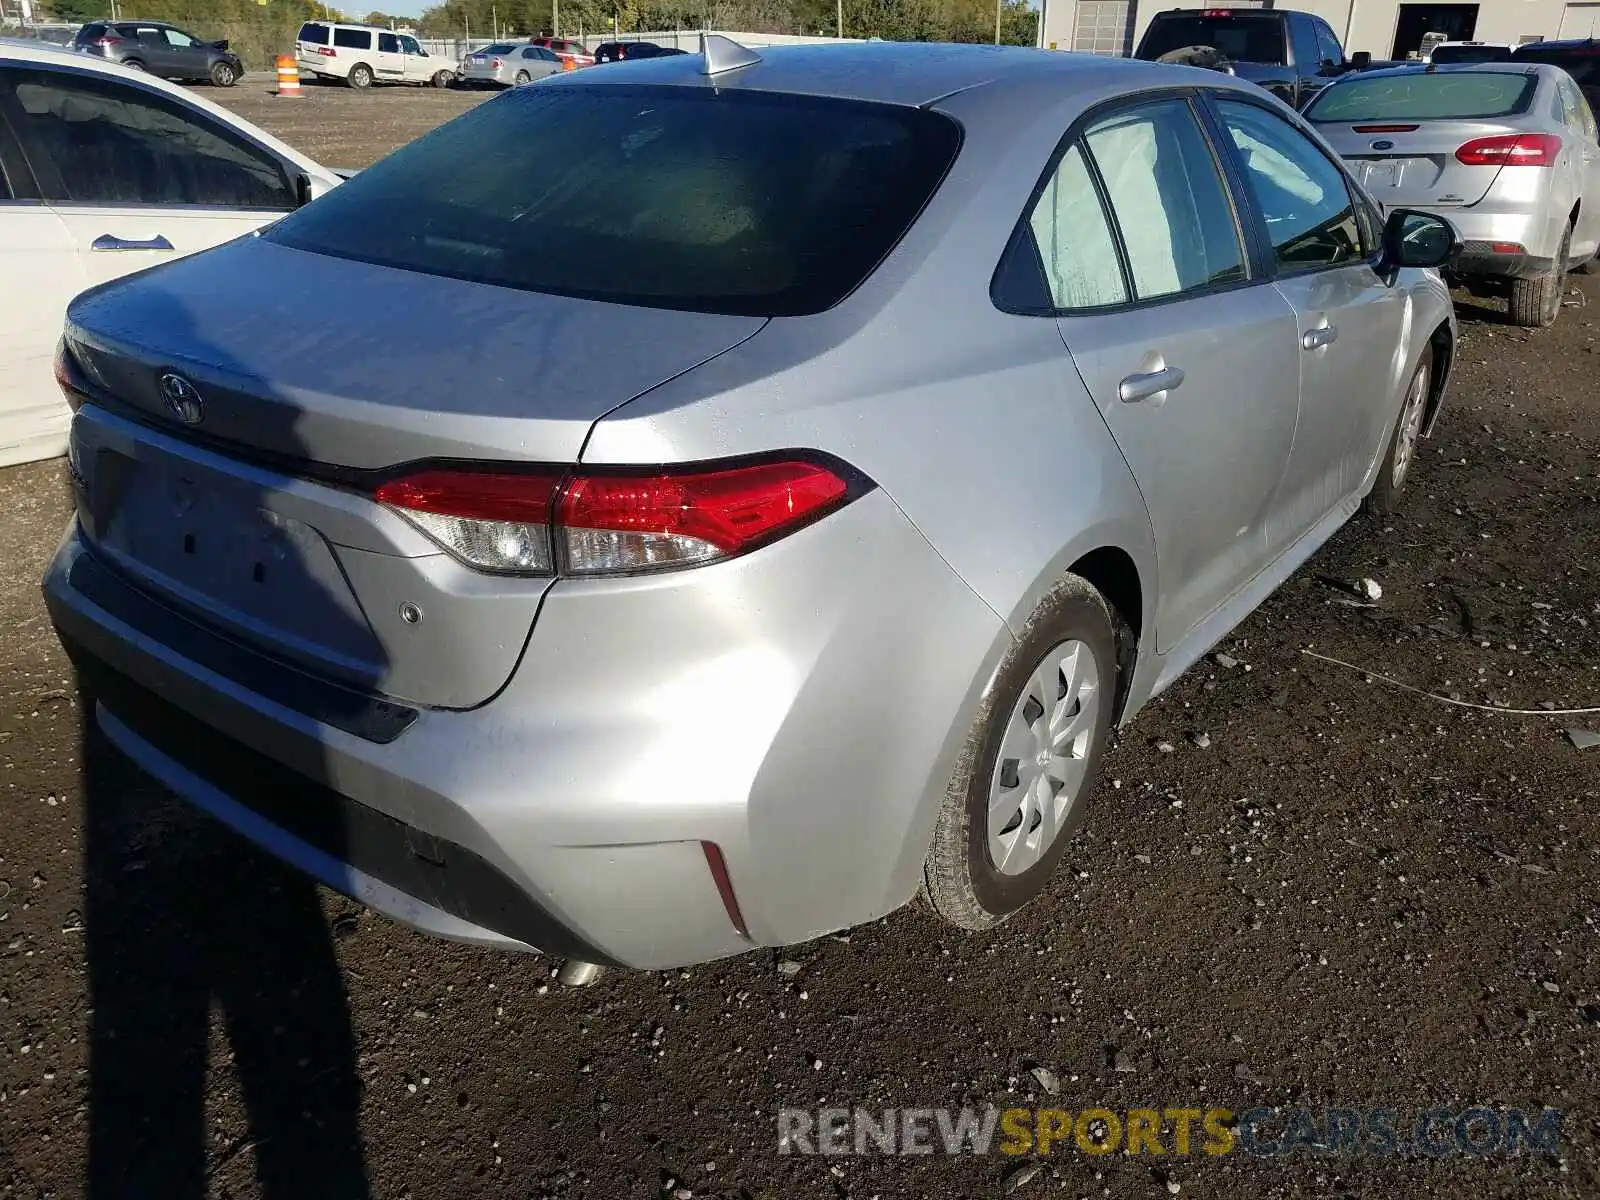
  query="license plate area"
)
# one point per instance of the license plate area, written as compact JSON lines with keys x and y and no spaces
{"x":1390,"y":174}
{"x":211,"y":542}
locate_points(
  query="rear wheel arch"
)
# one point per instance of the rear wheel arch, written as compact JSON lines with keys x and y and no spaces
{"x":1112,"y":572}
{"x":1443,"y":341}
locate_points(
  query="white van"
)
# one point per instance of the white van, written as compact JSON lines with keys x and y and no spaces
{"x":362,"y":55}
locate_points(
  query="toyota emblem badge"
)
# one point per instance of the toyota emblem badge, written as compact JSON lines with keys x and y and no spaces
{"x":182,"y":399}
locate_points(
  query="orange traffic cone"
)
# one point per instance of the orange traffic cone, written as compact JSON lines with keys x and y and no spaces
{"x":288,"y":77}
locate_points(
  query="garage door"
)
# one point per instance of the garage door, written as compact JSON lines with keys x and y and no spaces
{"x":1101,"y":27}
{"x":1580,"y":21}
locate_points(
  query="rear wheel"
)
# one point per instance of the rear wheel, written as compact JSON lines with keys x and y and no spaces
{"x":1029,"y":763}
{"x":1535,"y":303}
{"x":133,"y":64}
{"x":523,"y":77}
{"x":223,"y":74}
{"x":360,"y":76}
{"x":1384,"y":498}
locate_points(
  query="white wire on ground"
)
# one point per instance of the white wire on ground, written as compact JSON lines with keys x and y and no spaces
{"x":1406,"y":687}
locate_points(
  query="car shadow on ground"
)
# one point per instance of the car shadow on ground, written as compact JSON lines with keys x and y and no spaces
{"x":183,"y":919}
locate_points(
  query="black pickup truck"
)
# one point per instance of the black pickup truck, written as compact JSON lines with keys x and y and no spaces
{"x":1291,"y":54}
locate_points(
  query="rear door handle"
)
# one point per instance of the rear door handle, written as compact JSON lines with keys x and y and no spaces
{"x":1148,"y":386}
{"x":110,"y":241}
{"x":1316,"y":339}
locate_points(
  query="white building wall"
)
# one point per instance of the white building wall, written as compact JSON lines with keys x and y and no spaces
{"x":1361,"y":24}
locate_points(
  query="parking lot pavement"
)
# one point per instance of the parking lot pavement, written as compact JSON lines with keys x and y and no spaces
{"x":1298,"y":886}
{"x":341,"y":127}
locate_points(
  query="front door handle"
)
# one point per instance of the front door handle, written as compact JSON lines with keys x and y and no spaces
{"x":110,"y":241}
{"x":1316,"y":339}
{"x":1150,"y":385}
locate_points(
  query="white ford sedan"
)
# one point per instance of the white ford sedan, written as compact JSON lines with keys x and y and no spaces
{"x":105,"y":171}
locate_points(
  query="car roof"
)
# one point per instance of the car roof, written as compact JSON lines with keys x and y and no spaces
{"x":908,"y":73}
{"x":1587,"y":43}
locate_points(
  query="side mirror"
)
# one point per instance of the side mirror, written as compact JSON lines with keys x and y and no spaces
{"x":1416,"y":239}
{"x":1361,"y":60}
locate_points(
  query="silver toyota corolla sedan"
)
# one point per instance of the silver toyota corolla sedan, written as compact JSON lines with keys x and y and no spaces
{"x":901,"y":419}
{"x":509,"y":64}
{"x":1507,"y":152}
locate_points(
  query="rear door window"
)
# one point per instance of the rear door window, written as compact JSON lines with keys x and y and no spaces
{"x":740,"y":202}
{"x":93,"y":140}
{"x":1167,"y":199}
{"x":388,"y":43}
{"x":353,"y":39}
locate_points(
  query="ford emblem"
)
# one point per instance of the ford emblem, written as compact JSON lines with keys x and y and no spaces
{"x":182,"y":399}
{"x":1383,"y":144}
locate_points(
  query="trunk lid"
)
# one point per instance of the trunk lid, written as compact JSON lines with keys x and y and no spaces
{"x":1405,"y":163}
{"x":311,"y":370}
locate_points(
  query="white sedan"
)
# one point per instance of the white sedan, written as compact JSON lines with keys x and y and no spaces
{"x":105,"y":171}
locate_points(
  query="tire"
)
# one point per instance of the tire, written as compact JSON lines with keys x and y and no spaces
{"x":360,"y":77}
{"x":133,"y":64}
{"x":223,"y":75}
{"x":1384,"y":498}
{"x":1536,"y":303}
{"x":443,"y":79}
{"x":962,"y":879}
{"x":522,"y":79}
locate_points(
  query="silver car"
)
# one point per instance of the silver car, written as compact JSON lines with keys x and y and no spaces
{"x":509,"y":64}
{"x":898,"y":420}
{"x":1506,"y":151}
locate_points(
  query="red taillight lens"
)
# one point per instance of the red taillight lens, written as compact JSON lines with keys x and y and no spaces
{"x":106,"y":42}
{"x":497,"y":63}
{"x":608,"y":522}
{"x":638,"y":522}
{"x":327,"y":52}
{"x":492,"y":521}
{"x":1511,"y":150}
{"x":1383,"y":128}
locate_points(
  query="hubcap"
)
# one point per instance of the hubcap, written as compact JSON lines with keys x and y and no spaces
{"x":1410,"y":426}
{"x":1043,"y":756}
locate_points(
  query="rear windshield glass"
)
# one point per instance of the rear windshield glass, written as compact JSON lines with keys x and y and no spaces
{"x":352,"y":39}
{"x":740,"y":202}
{"x":1452,"y":96}
{"x":314,"y":33}
{"x":1446,"y":55}
{"x":1239,"y":39}
{"x":500,"y":48}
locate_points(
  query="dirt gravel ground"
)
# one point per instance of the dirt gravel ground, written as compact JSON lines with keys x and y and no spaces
{"x":1298,"y":887}
{"x":339,"y":126}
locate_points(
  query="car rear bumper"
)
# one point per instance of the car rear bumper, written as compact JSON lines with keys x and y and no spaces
{"x":800,"y":709}
{"x":1502,"y":237}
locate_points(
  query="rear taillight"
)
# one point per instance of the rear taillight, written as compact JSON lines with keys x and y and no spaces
{"x":1511,"y":150}
{"x":1384,"y":128}
{"x":497,"y":63}
{"x":490,"y":520}
{"x":327,"y":52}
{"x":594,"y":521}
{"x":105,"y":43}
